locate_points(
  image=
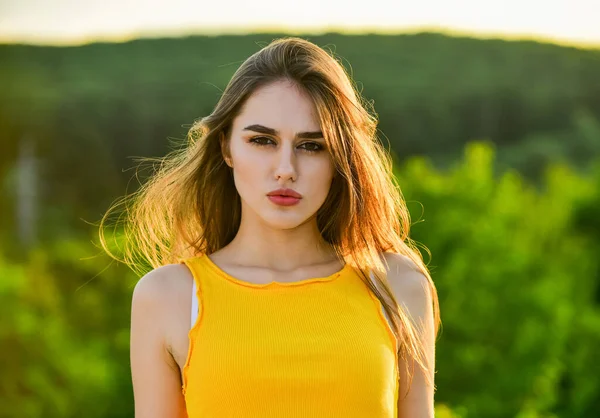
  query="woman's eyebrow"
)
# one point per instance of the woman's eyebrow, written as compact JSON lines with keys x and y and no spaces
{"x":270,"y":131}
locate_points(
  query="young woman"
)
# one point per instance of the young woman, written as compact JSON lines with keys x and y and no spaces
{"x":284,"y":281}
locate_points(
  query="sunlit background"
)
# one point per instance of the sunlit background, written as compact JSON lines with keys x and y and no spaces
{"x":490,"y":109}
{"x":72,"y":21}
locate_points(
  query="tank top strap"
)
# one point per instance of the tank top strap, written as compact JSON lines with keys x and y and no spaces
{"x":384,"y":313}
{"x":193,"y":264}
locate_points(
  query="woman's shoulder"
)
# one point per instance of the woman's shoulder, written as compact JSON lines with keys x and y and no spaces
{"x":411,"y":287}
{"x":163,"y":288}
{"x":405,"y":278}
{"x":398,"y":262}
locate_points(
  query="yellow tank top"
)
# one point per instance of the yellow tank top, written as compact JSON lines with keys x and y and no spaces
{"x":319,"y":347}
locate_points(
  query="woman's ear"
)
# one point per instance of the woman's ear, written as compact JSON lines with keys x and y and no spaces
{"x":225,"y":149}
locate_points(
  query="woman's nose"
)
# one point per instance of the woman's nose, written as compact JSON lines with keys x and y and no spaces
{"x":286,"y":164}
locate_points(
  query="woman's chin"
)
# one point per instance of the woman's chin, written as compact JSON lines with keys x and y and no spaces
{"x":289,"y":220}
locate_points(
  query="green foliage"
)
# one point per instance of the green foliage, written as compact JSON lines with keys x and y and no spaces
{"x":64,"y":340}
{"x":516,"y":273}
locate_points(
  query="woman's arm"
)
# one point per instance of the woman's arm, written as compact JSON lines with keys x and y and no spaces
{"x":412,"y":292}
{"x":155,"y":374}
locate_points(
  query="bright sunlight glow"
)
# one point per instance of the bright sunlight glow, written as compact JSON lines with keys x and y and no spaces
{"x":81,"y":21}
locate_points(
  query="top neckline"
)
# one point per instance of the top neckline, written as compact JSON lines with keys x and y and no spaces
{"x":274,"y":283}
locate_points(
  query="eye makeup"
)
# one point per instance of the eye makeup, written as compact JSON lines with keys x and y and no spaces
{"x":313,"y":147}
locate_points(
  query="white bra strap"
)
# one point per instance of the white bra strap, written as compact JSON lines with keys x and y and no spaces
{"x":194,"y":304}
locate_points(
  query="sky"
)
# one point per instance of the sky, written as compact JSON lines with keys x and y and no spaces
{"x":80,"y":21}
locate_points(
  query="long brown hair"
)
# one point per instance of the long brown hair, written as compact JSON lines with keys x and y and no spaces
{"x":190,"y":206}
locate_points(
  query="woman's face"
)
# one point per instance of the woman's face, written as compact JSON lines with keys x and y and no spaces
{"x":276,"y":142}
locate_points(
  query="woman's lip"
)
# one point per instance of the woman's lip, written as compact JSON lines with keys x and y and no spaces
{"x":284,"y":195}
{"x":285,"y":192}
{"x":283,"y":200}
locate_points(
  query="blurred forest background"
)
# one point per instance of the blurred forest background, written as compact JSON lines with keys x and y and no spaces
{"x":496,"y":146}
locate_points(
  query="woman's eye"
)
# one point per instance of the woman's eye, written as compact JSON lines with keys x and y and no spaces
{"x":307,"y":146}
{"x":260,"y":140}
{"x":312,"y":146}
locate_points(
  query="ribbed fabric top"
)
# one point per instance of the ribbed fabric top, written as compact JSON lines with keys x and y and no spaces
{"x":319,"y":347}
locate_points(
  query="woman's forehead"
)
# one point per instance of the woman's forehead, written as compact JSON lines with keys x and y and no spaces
{"x":281,"y":108}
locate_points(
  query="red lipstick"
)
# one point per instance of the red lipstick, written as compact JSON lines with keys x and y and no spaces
{"x":284,"y":197}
